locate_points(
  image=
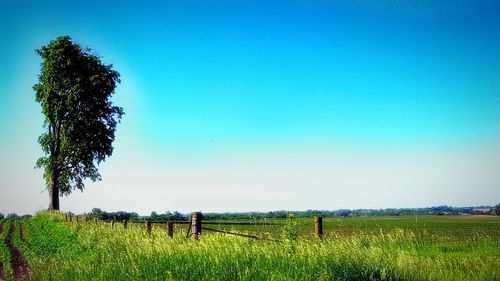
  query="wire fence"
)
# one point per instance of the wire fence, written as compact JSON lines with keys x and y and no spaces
{"x":196,"y":225}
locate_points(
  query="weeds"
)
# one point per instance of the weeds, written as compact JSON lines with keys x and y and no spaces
{"x":94,"y":251}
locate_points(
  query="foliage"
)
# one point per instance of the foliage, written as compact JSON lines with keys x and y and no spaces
{"x":122,"y":215}
{"x":118,"y":216}
{"x":2,"y":216}
{"x":90,"y":251}
{"x":290,"y":230}
{"x":74,"y":90}
{"x":497,"y":209}
{"x":282,"y":214}
{"x":175,"y":216}
{"x":4,"y":252}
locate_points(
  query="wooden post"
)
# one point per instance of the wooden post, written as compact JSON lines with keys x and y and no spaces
{"x":149,"y":226}
{"x":170,"y":229}
{"x":112,"y":223}
{"x":125,"y":224}
{"x":318,"y":226}
{"x":76,"y":218}
{"x":70,"y":218}
{"x":196,"y":218}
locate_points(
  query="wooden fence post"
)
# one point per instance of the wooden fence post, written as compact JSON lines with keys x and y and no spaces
{"x":125,"y":224}
{"x":112,"y":223}
{"x":170,"y":229}
{"x":318,"y":226}
{"x":149,"y":226}
{"x":196,"y":218}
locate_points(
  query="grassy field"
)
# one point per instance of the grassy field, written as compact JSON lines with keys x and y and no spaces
{"x":362,"y":248}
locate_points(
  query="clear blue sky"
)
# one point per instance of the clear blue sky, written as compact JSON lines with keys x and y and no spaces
{"x":234,"y":99}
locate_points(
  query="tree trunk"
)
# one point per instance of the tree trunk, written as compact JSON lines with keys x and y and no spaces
{"x":54,"y":193}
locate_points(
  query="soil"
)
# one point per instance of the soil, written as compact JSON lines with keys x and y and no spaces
{"x":18,"y":263}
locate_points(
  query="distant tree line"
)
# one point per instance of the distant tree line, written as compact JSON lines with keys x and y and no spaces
{"x":13,"y":216}
{"x":122,"y":215}
{"x":437,"y":210}
{"x":281,"y":214}
{"x":176,"y":216}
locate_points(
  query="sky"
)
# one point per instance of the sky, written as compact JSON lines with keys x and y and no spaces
{"x":268,"y":105}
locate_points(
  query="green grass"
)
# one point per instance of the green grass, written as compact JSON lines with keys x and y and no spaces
{"x":382,"y":248}
{"x":458,"y":228}
{"x":4,"y":252}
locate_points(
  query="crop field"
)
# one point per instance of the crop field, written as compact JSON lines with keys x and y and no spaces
{"x":46,"y":247}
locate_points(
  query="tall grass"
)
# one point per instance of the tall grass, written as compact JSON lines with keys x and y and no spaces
{"x":66,"y":251}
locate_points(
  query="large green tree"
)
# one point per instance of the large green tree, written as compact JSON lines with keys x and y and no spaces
{"x":74,"y":89}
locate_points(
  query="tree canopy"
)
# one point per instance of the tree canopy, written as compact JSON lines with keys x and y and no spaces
{"x":74,"y":89}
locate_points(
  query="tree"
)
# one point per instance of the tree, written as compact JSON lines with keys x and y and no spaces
{"x":12,"y":216}
{"x":497,"y":209}
{"x":74,"y":89}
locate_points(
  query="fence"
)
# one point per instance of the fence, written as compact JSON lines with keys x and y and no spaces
{"x":196,"y":225}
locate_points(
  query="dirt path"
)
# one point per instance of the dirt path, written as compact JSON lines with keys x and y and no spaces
{"x":18,"y":263}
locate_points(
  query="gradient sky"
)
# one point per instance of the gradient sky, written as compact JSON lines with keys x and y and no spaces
{"x":266,"y":105}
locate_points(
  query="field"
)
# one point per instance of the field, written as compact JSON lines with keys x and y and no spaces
{"x":46,"y":247}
